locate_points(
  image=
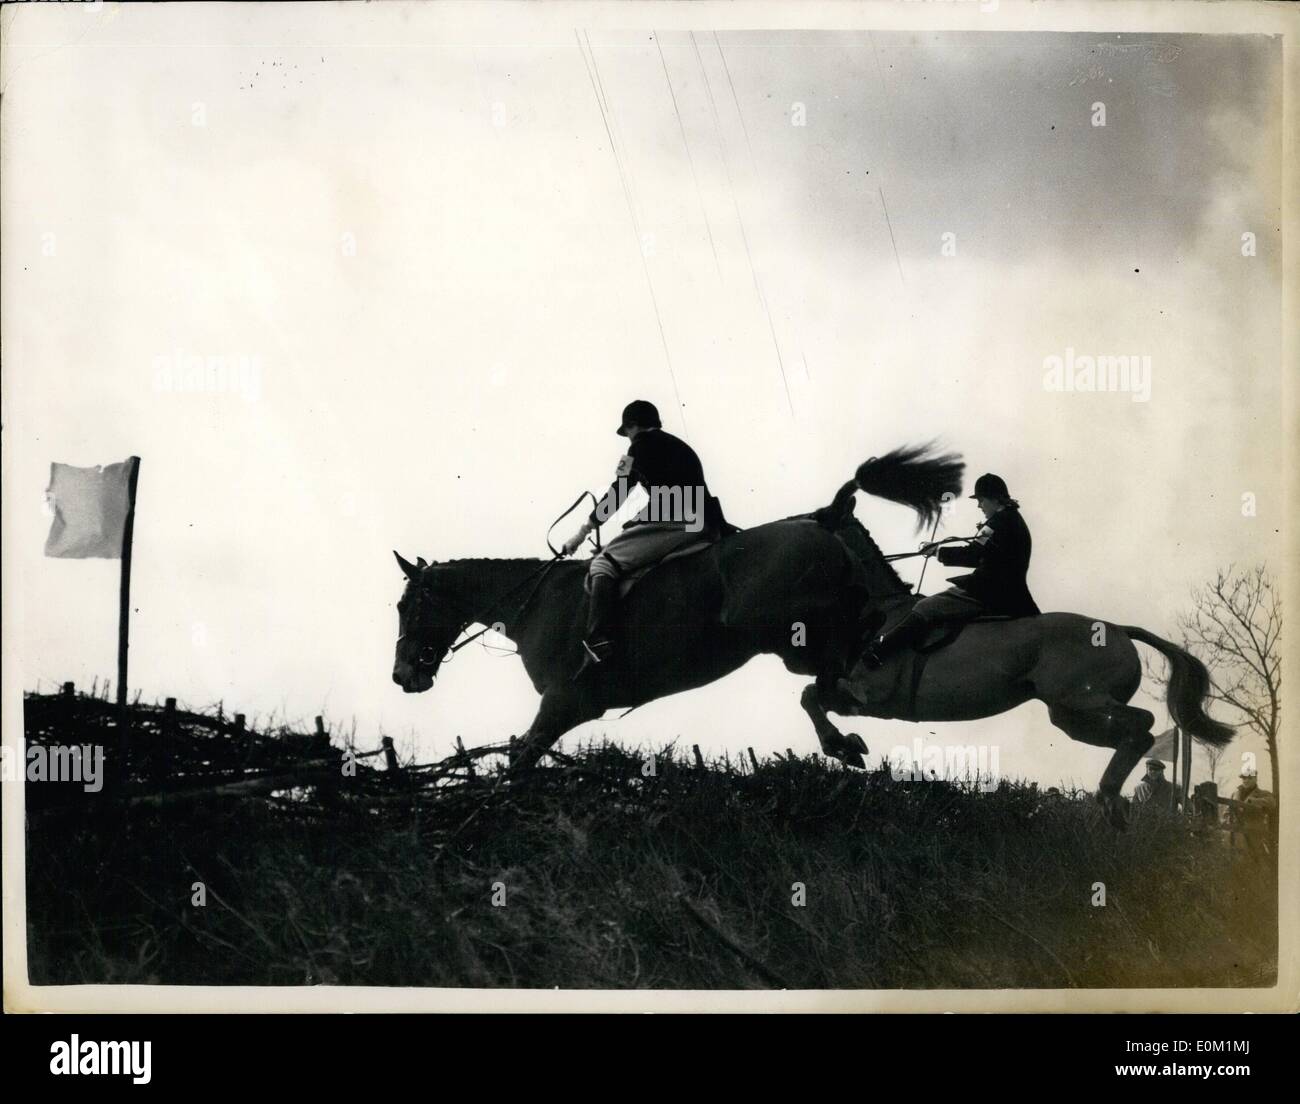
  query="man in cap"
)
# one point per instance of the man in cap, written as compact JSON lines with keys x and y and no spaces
{"x":680,"y":511}
{"x":999,"y":553}
{"x":1252,"y":811}
{"x":1154,"y":789}
{"x":1248,"y":785}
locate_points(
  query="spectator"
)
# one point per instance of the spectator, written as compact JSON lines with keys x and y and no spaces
{"x":1252,"y":813}
{"x":1155,"y":789}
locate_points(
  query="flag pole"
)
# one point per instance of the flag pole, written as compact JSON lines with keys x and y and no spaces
{"x":1173,"y":793}
{"x":124,"y":609}
{"x":1187,"y":765}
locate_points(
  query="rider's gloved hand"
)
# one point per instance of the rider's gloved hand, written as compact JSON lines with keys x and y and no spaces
{"x":572,"y":545}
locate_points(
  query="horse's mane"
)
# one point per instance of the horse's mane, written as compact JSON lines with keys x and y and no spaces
{"x":839,"y":519}
{"x":472,"y":560}
{"x":860,"y":541}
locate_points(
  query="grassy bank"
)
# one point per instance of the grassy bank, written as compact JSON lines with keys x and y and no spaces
{"x":594,"y":875}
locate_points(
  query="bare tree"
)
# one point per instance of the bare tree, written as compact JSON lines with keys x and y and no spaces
{"x":1235,"y":627}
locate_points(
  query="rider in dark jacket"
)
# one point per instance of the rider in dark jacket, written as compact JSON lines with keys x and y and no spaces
{"x":680,"y":512}
{"x":999,"y":553}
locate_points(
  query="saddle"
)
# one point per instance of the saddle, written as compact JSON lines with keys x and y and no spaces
{"x":628,"y":581}
{"x":906,"y":670}
{"x":939,"y":636}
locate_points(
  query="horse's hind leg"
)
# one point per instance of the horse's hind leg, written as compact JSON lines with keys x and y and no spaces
{"x":1108,"y":723}
{"x":847,"y":747}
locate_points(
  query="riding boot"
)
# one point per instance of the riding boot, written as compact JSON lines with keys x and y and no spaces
{"x":603,"y":599}
{"x":910,"y":630}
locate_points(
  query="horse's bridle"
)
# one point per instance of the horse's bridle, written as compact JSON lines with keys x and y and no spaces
{"x":428,"y":655}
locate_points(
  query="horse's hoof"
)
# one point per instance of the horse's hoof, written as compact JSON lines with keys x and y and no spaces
{"x":849,"y":749}
{"x":1116,"y":811}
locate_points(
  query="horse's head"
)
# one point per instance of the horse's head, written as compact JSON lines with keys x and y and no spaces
{"x":426,"y":627}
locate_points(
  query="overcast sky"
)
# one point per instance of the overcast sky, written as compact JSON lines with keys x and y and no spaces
{"x":443,"y":282}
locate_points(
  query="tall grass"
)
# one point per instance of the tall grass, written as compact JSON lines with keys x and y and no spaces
{"x":593,"y":875}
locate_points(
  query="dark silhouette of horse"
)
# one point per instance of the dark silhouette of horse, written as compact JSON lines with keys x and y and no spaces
{"x":791,"y":588}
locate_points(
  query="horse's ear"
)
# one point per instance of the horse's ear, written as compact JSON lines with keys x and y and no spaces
{"x":421,"y":565}
{"x":409,"y":569}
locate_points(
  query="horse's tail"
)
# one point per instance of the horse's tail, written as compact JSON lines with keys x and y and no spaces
{"x":1189,"y":685}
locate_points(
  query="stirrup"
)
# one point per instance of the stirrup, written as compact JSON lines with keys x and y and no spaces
{"x":597,"y":650}
{"x":593,"y":655}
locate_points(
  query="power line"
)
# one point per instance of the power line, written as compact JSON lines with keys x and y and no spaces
{"x":689,"y":159}
{"x":744,"y":237}
{"x":598,"y":87}
{"x":891,"y":233}
{"x":889,"y":112}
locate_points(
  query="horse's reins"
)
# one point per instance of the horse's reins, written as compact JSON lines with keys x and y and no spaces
{"x":908,"y":555}
{"x":557,"y":554}
{"x":539,"y":575}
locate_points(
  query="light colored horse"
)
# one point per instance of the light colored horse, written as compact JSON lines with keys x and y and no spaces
{"x":1084,"y":670}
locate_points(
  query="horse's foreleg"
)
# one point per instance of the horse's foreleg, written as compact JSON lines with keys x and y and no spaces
{"x":559,"y":711}
{"x":847,"y":747}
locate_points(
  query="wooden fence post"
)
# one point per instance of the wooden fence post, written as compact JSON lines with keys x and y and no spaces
{"x":753,"y":759}
{"x":699,"y":759}
{"x":69,"y":690}
{"x":463,"y":754}
{"x":159,"y":762}
{"x":390,"y":754}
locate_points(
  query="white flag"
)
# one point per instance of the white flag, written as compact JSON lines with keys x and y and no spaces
{"x":1165,"y":747}
{"x":90,"y":507}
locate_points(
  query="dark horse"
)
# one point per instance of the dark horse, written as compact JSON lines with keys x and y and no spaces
{"x":792,"y":588}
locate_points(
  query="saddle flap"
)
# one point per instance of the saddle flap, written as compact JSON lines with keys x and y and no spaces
{"x":627,"y":582}
{"x":938,"y":636}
